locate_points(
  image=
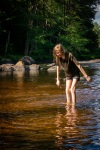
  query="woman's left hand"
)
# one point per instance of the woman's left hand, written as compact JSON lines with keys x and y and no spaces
{"x":89,"y":79}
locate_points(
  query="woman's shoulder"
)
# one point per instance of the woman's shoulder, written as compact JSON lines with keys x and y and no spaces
{"x":68,"y":54}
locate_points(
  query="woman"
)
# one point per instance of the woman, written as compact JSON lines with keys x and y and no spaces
{"x":72,"y":68}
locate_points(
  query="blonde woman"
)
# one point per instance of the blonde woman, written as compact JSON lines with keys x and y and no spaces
{"x":72,"y":69}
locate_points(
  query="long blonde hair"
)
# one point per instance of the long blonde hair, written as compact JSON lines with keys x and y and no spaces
{"x":60,"y":48}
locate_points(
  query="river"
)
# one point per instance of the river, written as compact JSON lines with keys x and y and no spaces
{"x":34,"y":115}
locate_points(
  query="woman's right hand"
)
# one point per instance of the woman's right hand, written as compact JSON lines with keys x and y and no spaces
{"x":58,"y":82}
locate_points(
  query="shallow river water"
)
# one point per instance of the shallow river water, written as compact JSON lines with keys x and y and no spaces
{"x":34,"y":115}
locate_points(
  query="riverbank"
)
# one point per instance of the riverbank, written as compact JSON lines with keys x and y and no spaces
{"x":91,"y":61}
{"x":27,"y":63}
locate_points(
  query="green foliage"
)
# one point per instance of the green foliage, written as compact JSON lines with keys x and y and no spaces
{"x":14,"y":58}
{"x":97,"y":31}
{"x":36,"y":26}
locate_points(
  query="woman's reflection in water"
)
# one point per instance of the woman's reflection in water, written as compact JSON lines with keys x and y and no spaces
{"x":66,"y":128}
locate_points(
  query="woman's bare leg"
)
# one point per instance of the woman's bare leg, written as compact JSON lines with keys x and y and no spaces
{"x":68,"y":91}
{"x":73,"y":91}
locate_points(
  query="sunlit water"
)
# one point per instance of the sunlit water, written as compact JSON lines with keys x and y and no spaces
{"x":34,"y":115}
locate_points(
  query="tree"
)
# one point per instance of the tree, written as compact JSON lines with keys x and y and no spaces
{"x":97,"y":31}
{"x":36,"y":26}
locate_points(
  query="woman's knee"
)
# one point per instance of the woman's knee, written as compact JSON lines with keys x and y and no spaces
{"x":68,"y":91}
{"x":72,"y":89}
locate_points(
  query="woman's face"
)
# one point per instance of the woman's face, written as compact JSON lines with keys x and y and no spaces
{"x":58,"y":54}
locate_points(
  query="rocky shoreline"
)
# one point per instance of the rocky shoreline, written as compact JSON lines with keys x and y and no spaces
{"x":53,"y":67}
{"x":27,"y":63}
{"x":91,"y":61}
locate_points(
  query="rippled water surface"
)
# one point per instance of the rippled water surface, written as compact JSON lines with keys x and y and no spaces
{"x":34,"y":115}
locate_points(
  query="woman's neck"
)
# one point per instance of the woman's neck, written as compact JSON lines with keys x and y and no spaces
{"x":63,"y":56}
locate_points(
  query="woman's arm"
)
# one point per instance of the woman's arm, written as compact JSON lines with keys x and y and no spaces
{"x":58,"y":80}
{"x":81,"y":69}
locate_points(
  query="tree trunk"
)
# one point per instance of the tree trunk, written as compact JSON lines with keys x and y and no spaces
{"x":7,"y":43}
{"x":26,"y":45}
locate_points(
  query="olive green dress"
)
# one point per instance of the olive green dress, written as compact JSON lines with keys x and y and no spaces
{"x":68,"y":65}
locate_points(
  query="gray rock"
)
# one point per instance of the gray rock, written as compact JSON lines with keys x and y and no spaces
{"x":53,"y":68}
{"x":6,"y":61}
{"x":27,"y":60}
{"x":6,"y":67}
{"x":34,"y":67}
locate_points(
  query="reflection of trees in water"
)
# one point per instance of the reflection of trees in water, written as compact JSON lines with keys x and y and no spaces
{"x":66,"y":127}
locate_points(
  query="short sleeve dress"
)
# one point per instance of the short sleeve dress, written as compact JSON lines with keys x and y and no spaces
{"x":70,"y":68}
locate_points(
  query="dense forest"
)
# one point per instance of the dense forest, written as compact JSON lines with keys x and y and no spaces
{"x":33,"y":27}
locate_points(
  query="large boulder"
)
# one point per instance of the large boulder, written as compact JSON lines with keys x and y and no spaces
{"x":19,"y":66}
{"x":27,"y":60}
